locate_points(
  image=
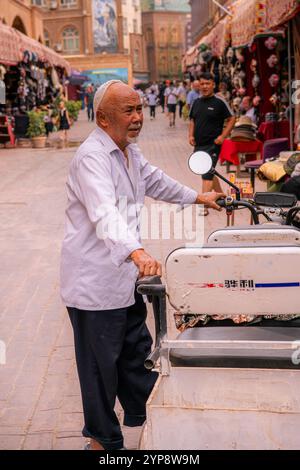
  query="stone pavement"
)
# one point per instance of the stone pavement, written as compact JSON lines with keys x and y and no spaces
{"x":40,"y":405}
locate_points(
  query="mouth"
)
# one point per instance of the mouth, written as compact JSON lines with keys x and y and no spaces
{"x":134,"y":129}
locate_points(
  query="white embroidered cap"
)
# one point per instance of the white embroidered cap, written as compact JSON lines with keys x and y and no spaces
{"x":99,"y":95}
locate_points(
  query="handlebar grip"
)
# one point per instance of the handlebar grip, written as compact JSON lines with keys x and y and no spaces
{"x":221,"y":202}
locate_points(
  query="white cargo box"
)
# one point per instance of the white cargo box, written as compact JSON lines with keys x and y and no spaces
{"x":215,"y":409}
{"x":256,"y":235}
{"x":234,"y":280}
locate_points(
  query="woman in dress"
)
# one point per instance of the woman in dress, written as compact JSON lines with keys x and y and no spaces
{"x":64,"y":123}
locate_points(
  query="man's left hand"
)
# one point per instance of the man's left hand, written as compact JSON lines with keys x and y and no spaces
{"x":219,"y":140}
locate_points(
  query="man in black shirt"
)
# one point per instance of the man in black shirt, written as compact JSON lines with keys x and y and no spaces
{"x":206,"y":130}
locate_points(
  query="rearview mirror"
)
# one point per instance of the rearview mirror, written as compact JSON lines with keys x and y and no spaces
{"x":200,"y":163}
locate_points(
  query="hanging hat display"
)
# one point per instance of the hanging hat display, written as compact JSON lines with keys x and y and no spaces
{"x":242,"y":91}
{"x":271,"y":43}
{"x":207,"y":56}
{"x":274,"y":80}
{"x":253,"y":65}
{"x":274,"y":99}
{"x":272,"y":61}
{"x":239,"y":55}
{"x":203,"y":47}
{"x":256,"y":101}
{"x":230,"y":54}
{"x":255,"y":81}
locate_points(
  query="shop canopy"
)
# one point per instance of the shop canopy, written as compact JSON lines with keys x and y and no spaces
{"x":280,"y":11}
{"x":13,"y":44}
{"x":254,"y":17}
{"x":190,"y":56}
{"x":218,"y":38}
{"x":77,"y":78}
{"x":249,"y":20}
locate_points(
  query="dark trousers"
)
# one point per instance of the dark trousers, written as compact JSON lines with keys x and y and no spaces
{"x":152,"y":111}
{"x":90,"y":111}
{"x":181,"y":104}
{"x":110,"y":347}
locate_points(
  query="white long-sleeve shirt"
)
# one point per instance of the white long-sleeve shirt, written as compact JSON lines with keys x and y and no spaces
{"x":96,"y":273}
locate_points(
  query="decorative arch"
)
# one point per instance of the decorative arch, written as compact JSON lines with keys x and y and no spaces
{"x":163,"y":65}
{"x":19,"y":25}
{"x":175,"y":65}
{"x":163,"y":35}
{"x":149,"y":35}
{"x":174,"y":35}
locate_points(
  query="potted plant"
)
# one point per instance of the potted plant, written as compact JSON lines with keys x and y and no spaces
{"x":73,"y":108}
{"x":36,"y":129}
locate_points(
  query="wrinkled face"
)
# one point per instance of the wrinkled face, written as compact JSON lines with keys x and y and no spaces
{"x":207,"y":87}
{"x":121,"y":115}
{"x":196,"y":85}
{"x":246,"y":103}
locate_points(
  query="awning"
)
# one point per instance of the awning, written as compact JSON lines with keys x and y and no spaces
{"x":77,"y":78}
{"x":280,"y":11}
{"x":13,"y":43}
{"x":249,"y":19}
{"x":219,"y":37}
{"x":190,"y":56}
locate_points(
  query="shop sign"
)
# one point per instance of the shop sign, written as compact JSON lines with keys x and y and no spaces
{"x":99,"y":76}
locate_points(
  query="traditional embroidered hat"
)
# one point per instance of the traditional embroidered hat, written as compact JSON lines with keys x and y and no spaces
{"x":99,"y":95}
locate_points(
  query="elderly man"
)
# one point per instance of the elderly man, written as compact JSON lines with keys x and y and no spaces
{"x":102,"y":257}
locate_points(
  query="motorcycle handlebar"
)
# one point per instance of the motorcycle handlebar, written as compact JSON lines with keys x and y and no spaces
{"x":234,"y":204}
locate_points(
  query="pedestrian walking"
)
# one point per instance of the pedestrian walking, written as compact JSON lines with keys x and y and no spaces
{"x":89,"y":96}
{"x":182,"y":94}
{"x":171,"y":96}
{"x":161,"y":94}
{"x":193,"y":94}
{"x":64,"y":123}
{"x":152,"y":101}
{"x":206,"y":130}
{"x":102,"y":257}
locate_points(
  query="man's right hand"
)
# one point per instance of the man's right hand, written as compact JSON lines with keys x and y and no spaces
{"x":147,"y":265}
{"x":192,"y":141}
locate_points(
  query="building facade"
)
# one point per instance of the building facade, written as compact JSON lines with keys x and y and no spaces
{"x":133,"y":40}
{"x":164,"y":27}
{"x":24,"y":16}
{"x":89,"y":34}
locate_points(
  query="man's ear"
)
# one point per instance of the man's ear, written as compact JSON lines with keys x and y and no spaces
{"x":101,"y":118}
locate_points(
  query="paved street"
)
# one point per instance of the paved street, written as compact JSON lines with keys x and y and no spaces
{"x":40,"y":406}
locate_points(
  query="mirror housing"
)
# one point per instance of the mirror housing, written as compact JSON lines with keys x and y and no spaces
{"x":200,"y":163}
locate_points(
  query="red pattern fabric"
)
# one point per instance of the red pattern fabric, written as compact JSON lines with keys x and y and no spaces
{"x":230,"y":150}
{"x":279,"y":11}
{"x":274,"y":130}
